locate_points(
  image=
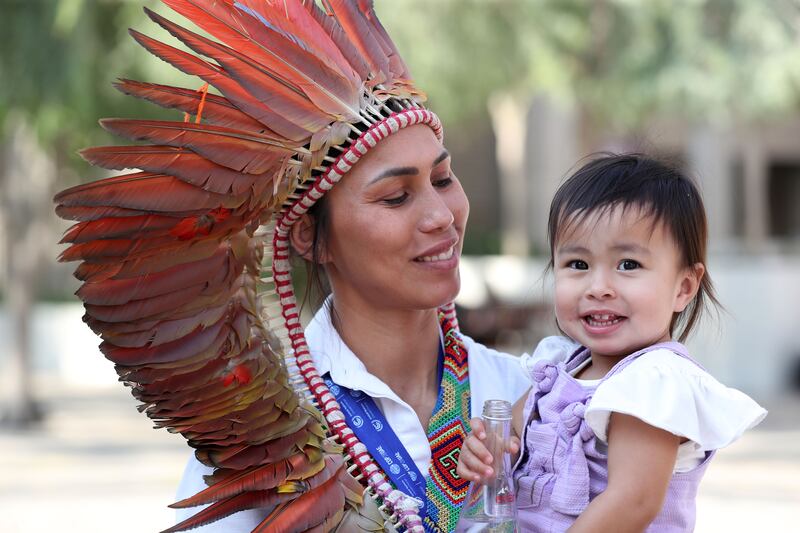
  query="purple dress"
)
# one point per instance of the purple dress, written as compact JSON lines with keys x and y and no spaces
{"x":563,"y":470}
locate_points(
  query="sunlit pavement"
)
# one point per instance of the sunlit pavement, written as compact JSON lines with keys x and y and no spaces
{"x":96,"y":465}
{"x":754,"y":484}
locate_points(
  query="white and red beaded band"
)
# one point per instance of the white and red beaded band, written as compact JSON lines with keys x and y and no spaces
{"x":404,"y":506}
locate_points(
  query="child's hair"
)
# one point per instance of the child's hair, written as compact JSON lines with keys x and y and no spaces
{"x":662,"y":192}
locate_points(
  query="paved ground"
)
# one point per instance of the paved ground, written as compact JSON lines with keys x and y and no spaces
{"x":96,"y":466}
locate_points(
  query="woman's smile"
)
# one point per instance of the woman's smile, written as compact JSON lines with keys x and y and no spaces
{"x":443,"y":256}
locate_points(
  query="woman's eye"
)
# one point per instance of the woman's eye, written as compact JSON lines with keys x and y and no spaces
{"x":628,"y":264}
{"x":443,"y":182}
{"x":578,"y":264}
{"x":396,"y":200}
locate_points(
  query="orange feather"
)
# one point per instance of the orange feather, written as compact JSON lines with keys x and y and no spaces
{"x":310,"y":509}
{"x":219,"y":510}
{"x":218,"y":110}
{"x":269,"y":87}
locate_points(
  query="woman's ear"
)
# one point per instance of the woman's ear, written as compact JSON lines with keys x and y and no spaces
{"x":301,"y":237}
{"x":689,"y":285}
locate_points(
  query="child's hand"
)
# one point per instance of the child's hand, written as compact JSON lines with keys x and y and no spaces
{"x":475,"y":460}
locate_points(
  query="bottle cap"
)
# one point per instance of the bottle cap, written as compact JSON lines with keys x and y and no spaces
{"x":497,"y":410}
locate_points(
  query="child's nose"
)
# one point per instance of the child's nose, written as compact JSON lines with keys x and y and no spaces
{"x":601,"y":287}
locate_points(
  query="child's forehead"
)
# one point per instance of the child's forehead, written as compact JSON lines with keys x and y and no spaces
{"x":610,"y":222}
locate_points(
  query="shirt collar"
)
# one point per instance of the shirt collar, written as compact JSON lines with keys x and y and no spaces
{"x":332,"y":355}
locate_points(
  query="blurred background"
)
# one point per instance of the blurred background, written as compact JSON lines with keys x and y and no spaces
{"x":525,"y":88}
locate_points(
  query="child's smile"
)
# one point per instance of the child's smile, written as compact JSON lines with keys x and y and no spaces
{"x":602,"y":322}
{"x":619,"y":279}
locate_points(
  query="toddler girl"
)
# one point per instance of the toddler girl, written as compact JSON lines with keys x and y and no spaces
{"x":619,"y":426}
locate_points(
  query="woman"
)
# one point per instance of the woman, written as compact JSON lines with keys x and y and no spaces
{"x":395,"y":226}
{"x":311,"y":101}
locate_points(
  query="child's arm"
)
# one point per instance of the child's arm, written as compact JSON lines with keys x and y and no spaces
{"x":641,"y":459}
{"x":475,"y":460}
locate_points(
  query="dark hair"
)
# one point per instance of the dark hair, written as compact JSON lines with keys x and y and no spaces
{"x":317,"y":286}
{"x":661,"y":191}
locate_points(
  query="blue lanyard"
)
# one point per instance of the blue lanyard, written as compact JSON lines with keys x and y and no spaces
{"x":372,"y":429}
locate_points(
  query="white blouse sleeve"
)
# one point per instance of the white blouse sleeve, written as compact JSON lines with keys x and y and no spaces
{"x":192,"y":483}
{"x":554,"y":349}
{"x":672,"y":393}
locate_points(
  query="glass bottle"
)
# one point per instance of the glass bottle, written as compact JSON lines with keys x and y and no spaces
{"x":491,"y":506}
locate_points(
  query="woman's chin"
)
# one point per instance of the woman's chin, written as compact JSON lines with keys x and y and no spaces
{"x":442,"y":295}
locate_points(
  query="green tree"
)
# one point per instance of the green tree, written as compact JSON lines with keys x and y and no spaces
{"x":619,"y":63}
{"x":57,"y":61}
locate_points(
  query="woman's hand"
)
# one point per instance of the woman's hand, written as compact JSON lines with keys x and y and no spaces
{"x":475,"y":460}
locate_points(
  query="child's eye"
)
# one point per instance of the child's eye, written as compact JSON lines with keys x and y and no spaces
{"x":578,"y":264}
{"x":396,"y":200}
{"x":628,"y":264}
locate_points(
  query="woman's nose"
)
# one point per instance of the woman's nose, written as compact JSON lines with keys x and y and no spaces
{"x":437,"y":214}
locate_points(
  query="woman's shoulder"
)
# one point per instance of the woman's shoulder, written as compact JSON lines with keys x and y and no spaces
{"x":493,"y":374}
{"x":478,"y":351}
{"x":673,"y":393}
{"x":483,"y":358}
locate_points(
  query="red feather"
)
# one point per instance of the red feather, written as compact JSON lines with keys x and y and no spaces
{"x":118,"y":228}
{"x":189,"y":274}
{"x":166,"y":331}
{"x":293,"y":20}
{"x":325,"y":83}
{"x":219,"y":510}
{"x":140,"y":192}
{"x":217,"y":109}
{"x":251,"y":153}
{"x":397,"y":65}
{"x":310,"y":509}
{"x":179,"y":162}
{"x":272,"y":89}
{"x":259,"y":478}
{"x":201,"y":341}
{"x":339,"y":37}
{"x":360,"y":32}
{"x":213,"y":75}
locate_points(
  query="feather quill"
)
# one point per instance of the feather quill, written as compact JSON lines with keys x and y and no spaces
{"x":217,"y":110}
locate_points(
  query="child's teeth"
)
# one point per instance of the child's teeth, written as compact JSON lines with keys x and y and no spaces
{"x":603,"y":320}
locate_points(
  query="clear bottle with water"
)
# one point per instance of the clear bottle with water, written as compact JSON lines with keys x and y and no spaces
{"x":491,"y":506}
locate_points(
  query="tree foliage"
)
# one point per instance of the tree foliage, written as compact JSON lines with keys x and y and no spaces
{"x":619,"y":60}
{"x":58,"y":59}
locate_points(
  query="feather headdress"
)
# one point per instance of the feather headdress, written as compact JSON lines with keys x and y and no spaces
{"x":172,"y":255}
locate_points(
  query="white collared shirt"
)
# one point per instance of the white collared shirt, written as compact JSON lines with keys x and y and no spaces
{"x":492,"y":375}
